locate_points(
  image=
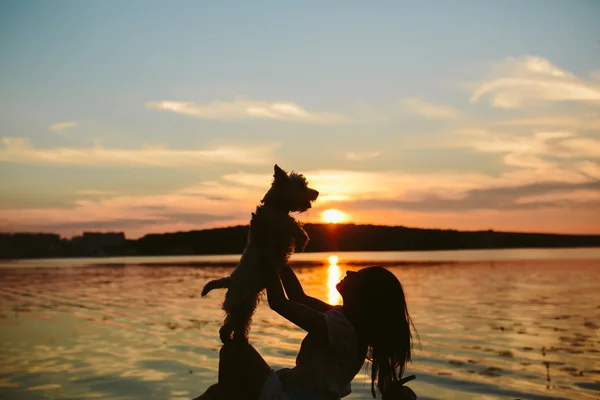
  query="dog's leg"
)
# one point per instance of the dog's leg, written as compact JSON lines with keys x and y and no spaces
{"x":222,"y":283}
{"x":239,"y":306}
{"x":243,"y":317}
{"x":236,"y":325}
{"x":230,"y":307}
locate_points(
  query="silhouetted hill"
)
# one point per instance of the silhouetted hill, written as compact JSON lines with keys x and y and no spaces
{"x":323,"y":237}
{"x":351,"y":237}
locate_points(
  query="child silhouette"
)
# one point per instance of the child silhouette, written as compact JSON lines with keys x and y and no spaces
{"x":372,"y":323}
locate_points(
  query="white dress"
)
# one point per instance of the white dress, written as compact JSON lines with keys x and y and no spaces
{"x":324,"y":366}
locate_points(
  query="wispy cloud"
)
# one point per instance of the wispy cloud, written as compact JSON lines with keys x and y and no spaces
{"x":345,"y":185}
{"x":362,"y":156}
{"x":574,"y":121}
{"x":535,"y":157}
{"x":249,"y":109}
{"x":591,"y":169}
{"x":20,"y":150}
{"x":533,"y":81}
{"x":429,"y":109}
{"x":555,"y":144}
{"x":63,"y":126}
{"x":449,"y":190}
{"x":182,"y":209}
{"x":190,"y":220}
{"x":525,"y":197}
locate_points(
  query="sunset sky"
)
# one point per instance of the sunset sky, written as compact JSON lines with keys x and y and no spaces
{"x":154,"y":116}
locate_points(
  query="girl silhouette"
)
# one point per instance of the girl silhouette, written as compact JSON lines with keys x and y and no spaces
{"x":372,"y":323}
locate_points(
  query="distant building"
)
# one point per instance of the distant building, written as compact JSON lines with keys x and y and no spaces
{"x":97,"y":243}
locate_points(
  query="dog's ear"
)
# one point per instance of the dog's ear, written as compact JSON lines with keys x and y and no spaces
{"x":279,"y":174}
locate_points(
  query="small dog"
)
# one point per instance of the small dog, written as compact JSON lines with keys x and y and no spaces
{"x":273,"y":237}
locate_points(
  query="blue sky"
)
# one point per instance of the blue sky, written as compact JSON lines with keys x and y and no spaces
{"x":155,"y":116}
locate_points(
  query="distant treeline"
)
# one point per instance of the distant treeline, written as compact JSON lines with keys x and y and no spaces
{"x":351,"y":237}
{"x":323,"y":237}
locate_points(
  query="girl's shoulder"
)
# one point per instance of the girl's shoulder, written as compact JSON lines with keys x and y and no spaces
{"x":340,"y":330}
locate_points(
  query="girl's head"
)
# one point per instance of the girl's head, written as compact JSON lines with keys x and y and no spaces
{"x":375,"y":304}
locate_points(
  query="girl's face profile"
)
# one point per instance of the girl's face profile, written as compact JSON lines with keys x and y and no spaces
{"x":349,"y":286}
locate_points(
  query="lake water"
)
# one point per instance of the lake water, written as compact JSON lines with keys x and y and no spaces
{"x":502,"y":324}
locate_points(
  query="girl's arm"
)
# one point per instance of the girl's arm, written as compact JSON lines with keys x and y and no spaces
{"x":295,"y":292}
{"x":299,"y":314}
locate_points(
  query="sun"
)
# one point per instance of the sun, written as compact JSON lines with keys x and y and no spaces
{"x":333,"y":216}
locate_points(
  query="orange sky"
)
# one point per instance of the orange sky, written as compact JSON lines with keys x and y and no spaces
{"x":121,"y":124}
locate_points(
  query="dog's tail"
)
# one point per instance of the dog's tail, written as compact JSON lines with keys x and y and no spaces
{"x":222,"y":283}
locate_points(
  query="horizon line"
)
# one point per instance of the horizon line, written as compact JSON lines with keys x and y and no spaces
{"x":304,"y":224}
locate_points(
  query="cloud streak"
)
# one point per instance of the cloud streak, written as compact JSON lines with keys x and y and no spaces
{"x":362,"y":156}
{"x":524,"y":197}
{"x":429,"y":109}
{"x":183,"y":209}
{"x":240,"y":109}
{"x":63,"y":126}
{"x":371,"y":197}
{"x":350,"y":186}
{"x":533,"y":81}
{"x":119,"y":224}
{"x":21,"y":151}
{"x":564,"y":156}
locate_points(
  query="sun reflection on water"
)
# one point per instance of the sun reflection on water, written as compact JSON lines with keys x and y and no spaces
{"x":333,"y":277}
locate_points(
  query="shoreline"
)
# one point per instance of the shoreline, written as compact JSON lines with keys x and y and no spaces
{"x":320,"y":259}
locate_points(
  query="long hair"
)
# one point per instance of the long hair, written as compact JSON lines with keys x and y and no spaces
{"x":385,"y":324}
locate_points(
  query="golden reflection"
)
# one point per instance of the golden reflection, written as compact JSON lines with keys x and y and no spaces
{"x":333,"y":277}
